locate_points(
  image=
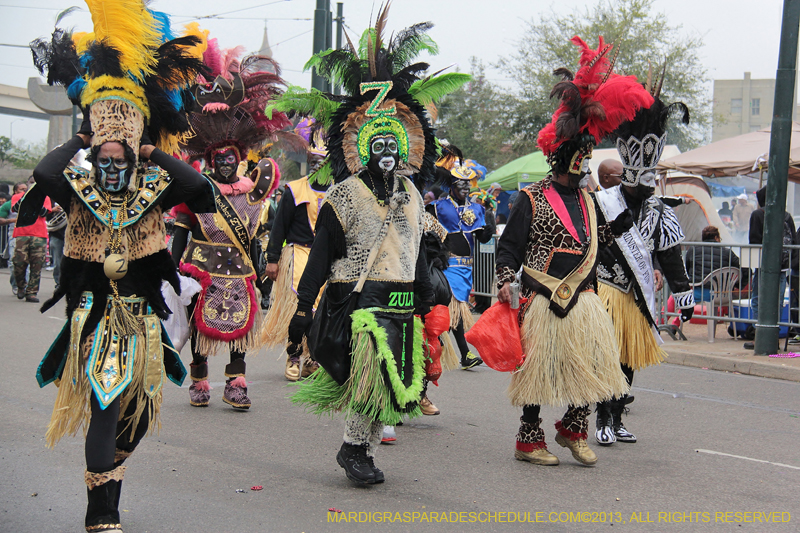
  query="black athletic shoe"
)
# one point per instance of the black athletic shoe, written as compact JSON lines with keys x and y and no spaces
{"x":750,"y":346}
{"x":470,"y":361}
{"x":356,"y":464}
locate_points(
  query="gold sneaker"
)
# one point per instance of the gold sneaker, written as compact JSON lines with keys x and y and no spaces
{"x":427,"y":407}
{"x":309,"y":368}
{"x":292,"y":372}
{"x":538,"y":457}
{"x":580,"y":450}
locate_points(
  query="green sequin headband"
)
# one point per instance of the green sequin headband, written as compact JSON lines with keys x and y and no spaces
{"x":380,"y":126}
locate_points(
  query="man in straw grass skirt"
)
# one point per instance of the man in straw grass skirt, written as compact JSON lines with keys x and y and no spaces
{"x":290,"y":241}
{"x":570,"y":353}
{"x":632,"y":266}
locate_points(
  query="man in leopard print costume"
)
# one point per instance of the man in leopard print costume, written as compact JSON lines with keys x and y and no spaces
{"x":567,"y":338}
{"x":112,"y":359}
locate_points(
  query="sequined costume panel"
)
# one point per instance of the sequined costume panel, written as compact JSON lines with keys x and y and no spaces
{"x":362,"y":217}
{"x":227,"y":306}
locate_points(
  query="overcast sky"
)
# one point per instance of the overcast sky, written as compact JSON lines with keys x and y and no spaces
{"x":739,"y":35}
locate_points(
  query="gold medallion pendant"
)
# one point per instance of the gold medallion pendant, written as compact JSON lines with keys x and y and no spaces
{"x":115,"y":266}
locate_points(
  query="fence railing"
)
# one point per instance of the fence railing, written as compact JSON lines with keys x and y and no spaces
{"x":728,"y":304}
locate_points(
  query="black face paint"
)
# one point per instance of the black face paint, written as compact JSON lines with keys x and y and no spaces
{"x":460,"y":190}
{"x":225,"y":164}
{"x":114,"y":174}
{"x":384,"y":156}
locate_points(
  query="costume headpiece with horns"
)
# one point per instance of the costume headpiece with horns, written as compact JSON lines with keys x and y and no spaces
{"x":229,"y":106}
{"x":641,"y":141}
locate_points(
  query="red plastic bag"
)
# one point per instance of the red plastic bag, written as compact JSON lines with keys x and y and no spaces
{"x":496,"y":336}
{"x":436,"y":323}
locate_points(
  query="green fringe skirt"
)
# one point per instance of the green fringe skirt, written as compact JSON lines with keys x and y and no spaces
{"x":383,"y":384}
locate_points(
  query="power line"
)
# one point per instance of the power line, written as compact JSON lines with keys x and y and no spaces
{"x":245,"y":18}
{"x":290,"y":38}
{"x":32,"y":7}
{"x":217,"y":15}
{"x":25,"y":46}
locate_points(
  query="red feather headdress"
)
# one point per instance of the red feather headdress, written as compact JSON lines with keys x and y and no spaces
{"x":594,"y":100}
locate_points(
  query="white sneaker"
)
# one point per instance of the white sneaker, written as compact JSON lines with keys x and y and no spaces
{"x":389,"y":435}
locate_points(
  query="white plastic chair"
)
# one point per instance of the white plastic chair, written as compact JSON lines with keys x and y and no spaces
{"x":722,"y":281}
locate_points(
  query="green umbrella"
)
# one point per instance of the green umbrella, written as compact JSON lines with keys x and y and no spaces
{"x":529,"y":168}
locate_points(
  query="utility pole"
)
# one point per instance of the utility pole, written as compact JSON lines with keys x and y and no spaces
{"x":321,"y":30}
{"x":770,"y":302}
{"x":337,"y":89}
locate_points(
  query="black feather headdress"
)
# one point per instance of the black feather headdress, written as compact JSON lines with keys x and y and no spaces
{"x":385,"y":92}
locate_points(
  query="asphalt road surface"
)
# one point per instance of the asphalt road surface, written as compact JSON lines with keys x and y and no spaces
{"x":716,"y":452}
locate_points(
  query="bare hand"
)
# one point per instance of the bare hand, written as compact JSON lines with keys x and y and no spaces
{"x":145,"y":150}
{"x":504,"y":294}
{"x":659,"y":280}
{"x":272,"y":271}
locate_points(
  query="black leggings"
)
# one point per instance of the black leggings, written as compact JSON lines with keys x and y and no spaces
{"x":628,"y":371}
{"x":107,"y":432}
{"x":461,"y":341}
{"x":196,"y":357}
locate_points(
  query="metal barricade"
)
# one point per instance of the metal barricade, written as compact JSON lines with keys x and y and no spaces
{"x":736,"y":314}
{"x":483,"y":278}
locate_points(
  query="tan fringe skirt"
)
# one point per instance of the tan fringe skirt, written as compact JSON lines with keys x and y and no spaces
{"x":569,"y":361}
{"x":460,"y":311}
{"x":449,"y":358}
{"x":637,"y":344}
{"x":284,"y":302}
{"x":72,"y":410}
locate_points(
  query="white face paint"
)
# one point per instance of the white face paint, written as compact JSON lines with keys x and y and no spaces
{"x":584,"y":182}
{"x":386,"y":163}
{"x":585,"y":165}
{"x":648,"y":179}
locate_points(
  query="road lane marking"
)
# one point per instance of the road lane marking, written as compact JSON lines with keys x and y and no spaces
{"x":712,"y":452}
{"x":692,"y":396}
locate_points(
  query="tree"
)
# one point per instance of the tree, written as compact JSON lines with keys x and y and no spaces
{"x":6,"y":149}
{"x":641,"y":37}
{"x":27,"y":155}
{"x":475,"y":119}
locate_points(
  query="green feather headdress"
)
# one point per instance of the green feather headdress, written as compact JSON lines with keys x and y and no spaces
{"x":381,"y":79}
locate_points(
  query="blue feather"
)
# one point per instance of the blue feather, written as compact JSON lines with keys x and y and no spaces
{"x":75,"y":89}
{"x":164,"y":25}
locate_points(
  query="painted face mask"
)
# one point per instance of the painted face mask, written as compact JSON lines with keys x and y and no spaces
{"x":114,"y":174}
{"x":384,"y":155}
{"x":460,"y":190}
{"x":225,"y":164}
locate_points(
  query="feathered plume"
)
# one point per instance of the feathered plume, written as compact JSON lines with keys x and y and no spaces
{"x":131,"y":54}
{"x":375,"y":59}
{"x":595,"y":100}
{"x":235,"y":116}
{"x":129,"y":28}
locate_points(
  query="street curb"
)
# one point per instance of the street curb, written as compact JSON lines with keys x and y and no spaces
{"x":730,"y":364}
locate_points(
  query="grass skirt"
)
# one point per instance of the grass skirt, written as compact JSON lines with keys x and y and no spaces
{"x":72,"y":410}
{"x":449,"y":356}
{"x":568,"y":361}
{"x":460,"y":311}
{"x":637,"y":344}
{"x":367,"y":390}
{"x":275,"y":330}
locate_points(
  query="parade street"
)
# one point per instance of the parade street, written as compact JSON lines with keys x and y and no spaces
{"x":716,"y":452}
